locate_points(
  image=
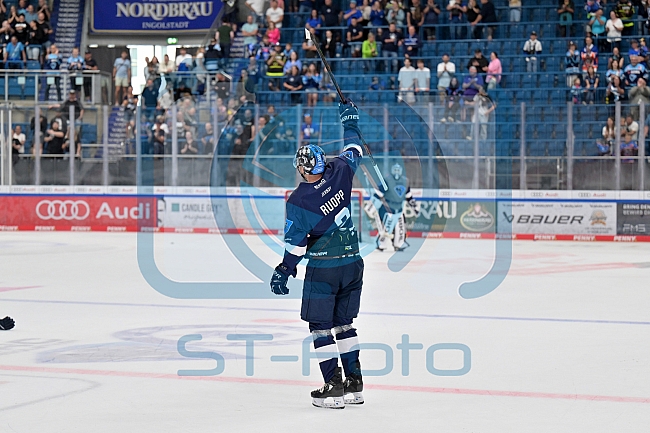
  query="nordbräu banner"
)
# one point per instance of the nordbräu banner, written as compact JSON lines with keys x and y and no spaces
{"x":153,"y":16}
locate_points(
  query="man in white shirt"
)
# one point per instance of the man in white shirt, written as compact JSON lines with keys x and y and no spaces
{"x":532,"y":48}
{"x":274,"y":14}
{"x":183,"y":57}
{"x":445,"y":71}
{"x":423,"y":80}
{"x":407,"y":80}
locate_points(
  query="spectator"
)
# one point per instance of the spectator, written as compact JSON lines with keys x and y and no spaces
{"x":55,"y":140}
{"x":472,"y":84}
{"x":375,"y":84}
{"x":613,"y":71}
{"x":308,"y":130}
{"x":572,"y":64}
{"x":30,"y":14}
{"x":150,"y":99}
{"x":288,"y":49}
{"x":473,"y":11}
{"x":44,"y":9}
{"x":190,"y":146}
{"x":275,"y":67}
{"x":406,"y":78}
{"x":625,"y":11}
{"x":614,"y":27}
{"x":225,"y":35}
{"x":377,"y":15}
{"x":309,"y":48}
{"x":415,"y":16}
{"x":207,"y":141}
{"x":577,"y":91}
{"x":352,"y":13}
{"x":314,"y":23}
{"x":634,"y":48}
{"x":412,"y":43}
{"x":355,"y":37}
{"x":515,"y":10}
{"x":479,"y":62}
{"x":615,"y":91}
{"x":22,"y":7}
{"x":328,"y":46}
{"x":256,"y":8}
{"x":453,"y":94}
{"x":590,"y":8}
{"x":75,"y":66}
{"x":311,"y":83}
{"x":369,"y":52}
{"x":331,"y":15}
{"x":639,"y":94}
{"x":456,"y":9}
{"x":167,"y":66}
{"x":293,"y":61}
{"x":396,"y":15}
{"x":633,"y":72}
{"x":273,"y":34}
{"x":249,"y":31}
{"x":487,"y":16}
{"x":5,"y":33}
{"x":494,"y":71}
{"x":122,"y":75}
{"x":17,"y":143}
{"x":365,"y":13}
{"x":631,"y":127}
{"x":597,"y":24}
{"x":293,"y":83}
{"x":305,"y":7}
{"x":445,"y":71}
{"x":589,"y":51}
{"x":32,"y":47}
{"x":264,"y":50}
{"x":274,"y":15}
{"x":565,"y":13}
{"x":532,"y":48}
{"x":159,"y":132}
{"x":616,"y":58}
{"x":53,"y":63}
{"x":484,"y":107}
{"x":431,"y":19}
{"x":606,"y":144}
{"x":643,"y":48}
{"x":591,"y":80}
{"x":3,"y":11}
{"x":43,"y":32}
{"x":14,"y":54}
{"x":629,"y":147}
{"x":422,"y":81}
{"x":390,"y":47}
{"x":89,"y":65}
{"x":21,"y":29}
{"x":12,"y":18}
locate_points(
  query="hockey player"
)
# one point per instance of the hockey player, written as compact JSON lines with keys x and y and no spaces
{"x":319,"y":227}
{"x":7,"y":323}
{"x":391,"y":224}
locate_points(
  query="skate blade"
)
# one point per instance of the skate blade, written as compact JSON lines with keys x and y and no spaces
{"x":329,"y":402}
{"x":353,"y":398}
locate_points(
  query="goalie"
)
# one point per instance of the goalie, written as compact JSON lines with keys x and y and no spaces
{"x":390,"y":223}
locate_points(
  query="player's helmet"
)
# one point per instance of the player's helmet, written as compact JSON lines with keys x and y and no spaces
{"x":396,"y":171}
{"x":311,"y":158}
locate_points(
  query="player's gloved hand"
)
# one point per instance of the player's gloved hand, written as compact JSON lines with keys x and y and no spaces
{"x":7,"y":323}
{"x":279,"y":280}
{"x":349,"y":114}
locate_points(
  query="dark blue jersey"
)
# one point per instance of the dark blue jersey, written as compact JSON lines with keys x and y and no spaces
{"x":319,"y":222}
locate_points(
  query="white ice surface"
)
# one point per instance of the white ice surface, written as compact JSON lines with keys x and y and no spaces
{"x":563,"y":345}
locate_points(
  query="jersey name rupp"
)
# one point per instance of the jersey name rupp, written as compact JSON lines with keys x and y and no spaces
{"x":332,"y":203}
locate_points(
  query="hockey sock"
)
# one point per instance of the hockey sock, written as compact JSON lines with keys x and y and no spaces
{"x":325,"y":349}
{"x":346,"y":339}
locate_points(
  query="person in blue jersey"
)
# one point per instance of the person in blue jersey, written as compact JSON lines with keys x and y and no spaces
{"x":390,"y":223}
{"x":319,"y":227}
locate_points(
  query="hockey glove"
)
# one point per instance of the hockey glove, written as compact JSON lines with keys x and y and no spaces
{"x":6,"y":324}
{"x":279,"y":280}
{"x":349,"y":114}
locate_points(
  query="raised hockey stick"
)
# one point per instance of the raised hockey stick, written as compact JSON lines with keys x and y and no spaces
{"x":344,"y":100}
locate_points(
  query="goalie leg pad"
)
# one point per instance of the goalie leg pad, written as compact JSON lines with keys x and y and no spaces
{"x":399,"y":232}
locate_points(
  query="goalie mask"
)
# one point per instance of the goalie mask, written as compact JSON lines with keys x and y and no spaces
{"x":311,"y":158}
{"x":396,"y":171}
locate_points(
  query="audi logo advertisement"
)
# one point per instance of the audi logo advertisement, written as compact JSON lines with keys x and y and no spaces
{"x":70,"y":212}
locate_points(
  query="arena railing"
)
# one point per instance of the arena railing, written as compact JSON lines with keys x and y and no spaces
{"x":470,"y":156}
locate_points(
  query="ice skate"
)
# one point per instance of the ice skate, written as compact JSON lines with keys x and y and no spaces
{"x":330,"y":395}
{"x":352,"y":388}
